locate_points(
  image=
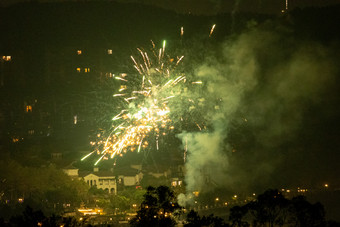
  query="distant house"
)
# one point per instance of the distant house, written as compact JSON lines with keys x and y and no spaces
{"x":173,"y":173}
{"x":109,"y":180}
{"x":129,"y":175}
{"x":176,"y":182}
{"x":71,"y":171}
{"x":56,"y":155}
{"x":161,"y":171}
{"x":105,"y":180}
{"x":177,"y":175}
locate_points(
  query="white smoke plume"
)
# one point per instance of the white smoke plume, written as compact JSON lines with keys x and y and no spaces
{"x":266,"y":81}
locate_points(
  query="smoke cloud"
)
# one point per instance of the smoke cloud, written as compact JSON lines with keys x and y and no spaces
{"x":259,"y":87}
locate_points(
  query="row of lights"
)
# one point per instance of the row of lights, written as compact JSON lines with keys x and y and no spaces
{"x":302,"y":190}
{"x":86,"y":70}
{"x":79,"y":52}
{"x":235,"y":196}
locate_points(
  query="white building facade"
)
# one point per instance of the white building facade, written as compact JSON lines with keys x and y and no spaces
{"x":107,"y":182}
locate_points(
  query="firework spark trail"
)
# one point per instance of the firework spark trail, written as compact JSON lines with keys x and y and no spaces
{"x":148,"y":108}
{"x":212,"y":30}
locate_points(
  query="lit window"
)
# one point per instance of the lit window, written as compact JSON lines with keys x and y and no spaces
{"x":79,"y":52}
{"x":87,"y":70}
{"x":174,"y":183}
{"x":28,"y":108}
{"x":109,"y":51}
{"x":78,"y":70}
{"x":6,"y":58}
{"x":15,"y":140}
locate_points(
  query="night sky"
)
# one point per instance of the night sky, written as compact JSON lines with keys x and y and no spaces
{"x":216,"y":6}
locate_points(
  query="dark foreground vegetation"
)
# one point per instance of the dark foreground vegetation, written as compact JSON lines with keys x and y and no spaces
{"x":271,"y":208}
{"x":160,"y":208}
{"x":37,"y":218}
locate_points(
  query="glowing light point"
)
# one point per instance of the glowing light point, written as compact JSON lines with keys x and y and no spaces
{"x":212,"y":30}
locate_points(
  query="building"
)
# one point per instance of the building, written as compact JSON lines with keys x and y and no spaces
{"x":105,"y":180}
{"x":109,"y":181}
{"x":129,"y":175}
{"x":72,"y":172}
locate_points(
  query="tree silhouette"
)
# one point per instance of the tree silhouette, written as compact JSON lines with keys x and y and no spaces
{"x":29,"y":218}
{"x":33,"y":218}
{"x":236,"y":215}
{"x":157,"y":208}
{"x":272,"y":209}
{"x":306,"y":214}
{"x":194,"y":220}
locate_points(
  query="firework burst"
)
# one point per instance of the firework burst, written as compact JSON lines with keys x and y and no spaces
{"x":149,"y":98}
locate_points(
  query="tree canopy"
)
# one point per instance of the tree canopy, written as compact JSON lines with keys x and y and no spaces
{"x":157,"y":209}
{"x":272,"y":209}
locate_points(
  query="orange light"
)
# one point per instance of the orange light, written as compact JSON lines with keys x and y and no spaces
{"x":7,"y":58}
{"x":28,"y":108}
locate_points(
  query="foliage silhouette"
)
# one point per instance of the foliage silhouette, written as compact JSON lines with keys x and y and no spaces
{"x":31,"y":217}
{"x":157,"y":209}
{"x":194,"y":220}
{"x":272,"y":209}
